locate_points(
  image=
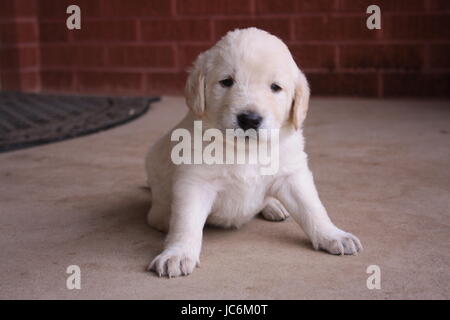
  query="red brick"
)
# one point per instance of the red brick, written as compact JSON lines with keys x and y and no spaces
{"x":136,"y":8}
{"x":56,"y":9}
{"x":188,"y":53}
{"x":352,"y":28}
{"x":7,"y":33}
{"x":9,"y":59}
{"x":385,"y":5}
{"x":71,"y":55}
{"x":28,"y":57}
{"x":413,"y":27}
{"x":343,"y":84}
{"x":334,"y":28}
{"x":176,"y":30}
{"x":312,"y":28}
{"x":57,"y":80}
{"x":313,"y":56}
{"x":26,"y":32}
{"x":109,"y":82}
{"x":26,"y":8}
{"x":316,"y":5}
{"x":277,"y":26}
{"x":296,"y":6}
{"x":381,"y":56}
{"x":13,"y":58}
{"x":416,"y":84}
{"x":20,"y":81}
{"x":30,"y":81}
{"x":103,"y":31}
{"x":11,"y":9}
{"x":7,"y":9}
{"x":21,"y":32}
{"x":53,"y":31}
{"x":141,"y":56}
{"x":439,"y":5}
{"x":10,"y":80}
{"x":159,"y":83}
{"x":439,"y":56}
{"x":275,"y":7}
{"x":208,"y":7}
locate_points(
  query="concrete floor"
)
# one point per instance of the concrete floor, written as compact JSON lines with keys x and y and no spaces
{"x":381,"y":167}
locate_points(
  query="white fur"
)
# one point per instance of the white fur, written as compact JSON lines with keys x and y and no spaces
{"x":185,"y":197}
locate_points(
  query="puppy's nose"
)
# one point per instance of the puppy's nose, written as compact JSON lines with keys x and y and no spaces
{"x":249,"y":120}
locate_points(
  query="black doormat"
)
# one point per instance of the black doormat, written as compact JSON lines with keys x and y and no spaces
{"x":28,"y":119}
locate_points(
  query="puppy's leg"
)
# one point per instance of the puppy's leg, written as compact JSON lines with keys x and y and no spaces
{"x":159,"y":215}
{"x":299,"y":196}
{"x":274,"y":210}
{"x":191,"y":205}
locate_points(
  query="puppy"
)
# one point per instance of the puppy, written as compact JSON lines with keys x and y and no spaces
{"x":248,"y":80}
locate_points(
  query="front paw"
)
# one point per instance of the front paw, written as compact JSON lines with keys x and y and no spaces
{"x":337,"y":241}
{"x":174,"y":263}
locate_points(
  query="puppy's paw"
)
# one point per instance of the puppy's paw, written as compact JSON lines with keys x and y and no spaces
{"x":337,"y":241}
{"x":274,"y":211}
{"x":173,"y":263}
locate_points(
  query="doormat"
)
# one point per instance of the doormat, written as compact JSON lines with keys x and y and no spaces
{"x":28,"y":119}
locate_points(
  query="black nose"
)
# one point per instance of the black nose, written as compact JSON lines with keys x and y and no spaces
{"x":249,"y":120}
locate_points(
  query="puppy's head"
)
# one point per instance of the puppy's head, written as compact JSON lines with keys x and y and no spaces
{"x":248,"y":80}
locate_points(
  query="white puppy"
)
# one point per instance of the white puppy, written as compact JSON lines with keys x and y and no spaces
{"x":248,"y":80}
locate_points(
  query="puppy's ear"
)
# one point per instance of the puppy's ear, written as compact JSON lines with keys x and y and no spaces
{"x":195,"y":87}
{"x":301,"y":100}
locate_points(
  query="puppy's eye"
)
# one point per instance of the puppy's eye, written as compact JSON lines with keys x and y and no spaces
{"x":227,"y":83}
{"x":275,"y":87}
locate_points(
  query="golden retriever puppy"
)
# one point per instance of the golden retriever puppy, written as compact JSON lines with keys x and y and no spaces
{"x":248,"y":81}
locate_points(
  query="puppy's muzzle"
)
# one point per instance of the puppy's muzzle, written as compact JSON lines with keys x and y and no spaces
{"x":249,"y":120}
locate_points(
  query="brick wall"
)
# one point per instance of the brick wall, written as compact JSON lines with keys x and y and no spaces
{"x":145,"y":46}
{"x":19,"y":45}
